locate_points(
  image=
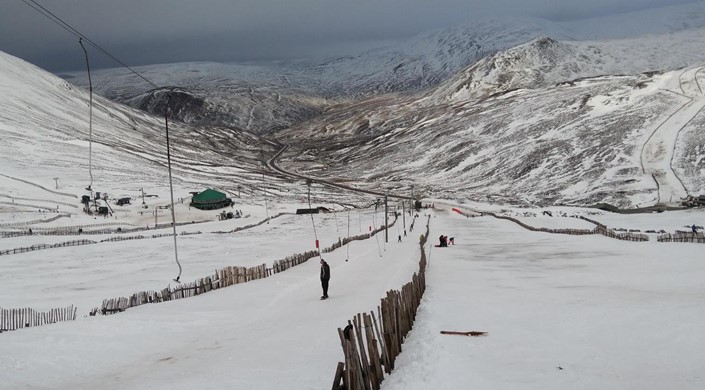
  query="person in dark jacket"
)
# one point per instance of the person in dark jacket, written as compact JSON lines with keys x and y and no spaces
{"x":325,"y":277}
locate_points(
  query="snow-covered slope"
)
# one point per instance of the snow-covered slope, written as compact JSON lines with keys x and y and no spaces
{"x":45,"y":131}
{"x":532,"y":124}
{"x":268,"y":97}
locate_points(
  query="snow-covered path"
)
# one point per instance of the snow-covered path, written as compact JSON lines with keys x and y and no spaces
{"x":562,"y":312}
{"x":657,"y":153}
{"x":272,"y":333}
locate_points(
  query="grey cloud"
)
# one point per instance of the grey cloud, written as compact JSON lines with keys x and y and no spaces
{"x":155,"y":31}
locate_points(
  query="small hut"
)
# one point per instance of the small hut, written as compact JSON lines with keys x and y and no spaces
{"x":210,"y":200}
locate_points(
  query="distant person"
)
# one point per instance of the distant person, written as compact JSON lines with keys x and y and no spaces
{"x":443,"y":241}
{"x":399,"y":240}
{"x":404,"y":232}
{"x":451,"y":241}
{"x":325,"y":277}
{"x":695,"y":228}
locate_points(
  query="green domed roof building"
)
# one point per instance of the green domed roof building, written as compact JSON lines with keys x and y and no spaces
{"x":210,"y":200}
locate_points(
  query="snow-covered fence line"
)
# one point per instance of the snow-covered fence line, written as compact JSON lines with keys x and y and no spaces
{"x":592,"y":221}
{"x":222,"y":278}
{"x":300,"y":258}
{"x":30,"y":205}
{"x":600,"y":229}
{"x":46,"y":246}
{"x":344,"y":241}
{"x":76,"y":230}
{"x":42,"y":200}
{"x":250,"y":226}
{"x":13,"y":319}
{"x":87,"y":242}
{"x":291,"y":261}
{"x":680,"y":236}
{"x":112,"y":239}
{"x":40,"y":186}
{"x":378,"y":345}
{"x":573,"y":232}
{"x":141,"y":237}
{"x":33,"y":222}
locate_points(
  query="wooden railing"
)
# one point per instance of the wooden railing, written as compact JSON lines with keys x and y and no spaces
{"x":371,"y":343}
{"x":13,"y":319}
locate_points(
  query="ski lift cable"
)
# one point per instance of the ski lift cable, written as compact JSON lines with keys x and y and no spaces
{"x":90,"y":116}
{"x":347,"y":247}
{"x":51,"y":16}
{"x":64,"y":25}
{"x":335,"y":215}
{"x":315,"y":235}
{"x":264,"y":190}
{"x":374,"y":227}
{"x":171,"y":184}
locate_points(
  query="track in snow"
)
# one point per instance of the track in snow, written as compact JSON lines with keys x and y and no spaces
{"x":657,"y":153}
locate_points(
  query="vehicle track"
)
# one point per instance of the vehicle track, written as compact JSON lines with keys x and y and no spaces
{"x":272,"y":164}
{"x":658,"y":152}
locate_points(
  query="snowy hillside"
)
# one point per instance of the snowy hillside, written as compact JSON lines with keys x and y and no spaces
{"x":545,"y":123}
{"x":532,"y":124}
{"x":544,"y":62}
{"x":266,"y":97}
{"x":254,"y":98}
{"x":44,"y":123}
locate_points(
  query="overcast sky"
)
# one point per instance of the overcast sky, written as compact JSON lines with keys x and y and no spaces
{"x":161,"y":31}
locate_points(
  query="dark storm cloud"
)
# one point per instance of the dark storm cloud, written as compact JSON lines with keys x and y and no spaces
{"x":160,"y":31}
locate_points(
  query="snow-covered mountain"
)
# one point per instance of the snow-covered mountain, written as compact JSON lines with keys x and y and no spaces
{"x":556,"y":121}
{"x":267,"y":97}
{"x":546,"y":61}
{"x":538,"y":123}
{"x":44,"y":122}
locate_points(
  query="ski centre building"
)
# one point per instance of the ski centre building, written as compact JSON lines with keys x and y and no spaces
{"x":210,"y":200}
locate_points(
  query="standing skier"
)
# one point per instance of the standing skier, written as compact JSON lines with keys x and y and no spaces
{"x":325,"y":277}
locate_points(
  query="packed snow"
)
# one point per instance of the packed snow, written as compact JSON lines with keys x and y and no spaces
{"x":531,"y":132}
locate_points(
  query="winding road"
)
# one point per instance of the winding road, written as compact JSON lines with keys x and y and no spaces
{"x":658,"y":151}
{"x":272,"y":164}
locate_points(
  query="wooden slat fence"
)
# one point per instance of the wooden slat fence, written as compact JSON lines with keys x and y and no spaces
{"x":33,"y":206}
{"x":114,"y":239}
{"x":26,"y":224}
{"x":41,"y":200}
{"x":574,"y":232}
{"x":46,"y":246}
{"x":222,"y":278}
{"x":346,"y":240}
{"x":599,"y":229}
{"x":13,"y":319}
{"x":681,"y":236}
{"x":292,"y":261}
{"x":371,"y":343}
{"x":88,"y":242}
{"x":73,"y":230}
